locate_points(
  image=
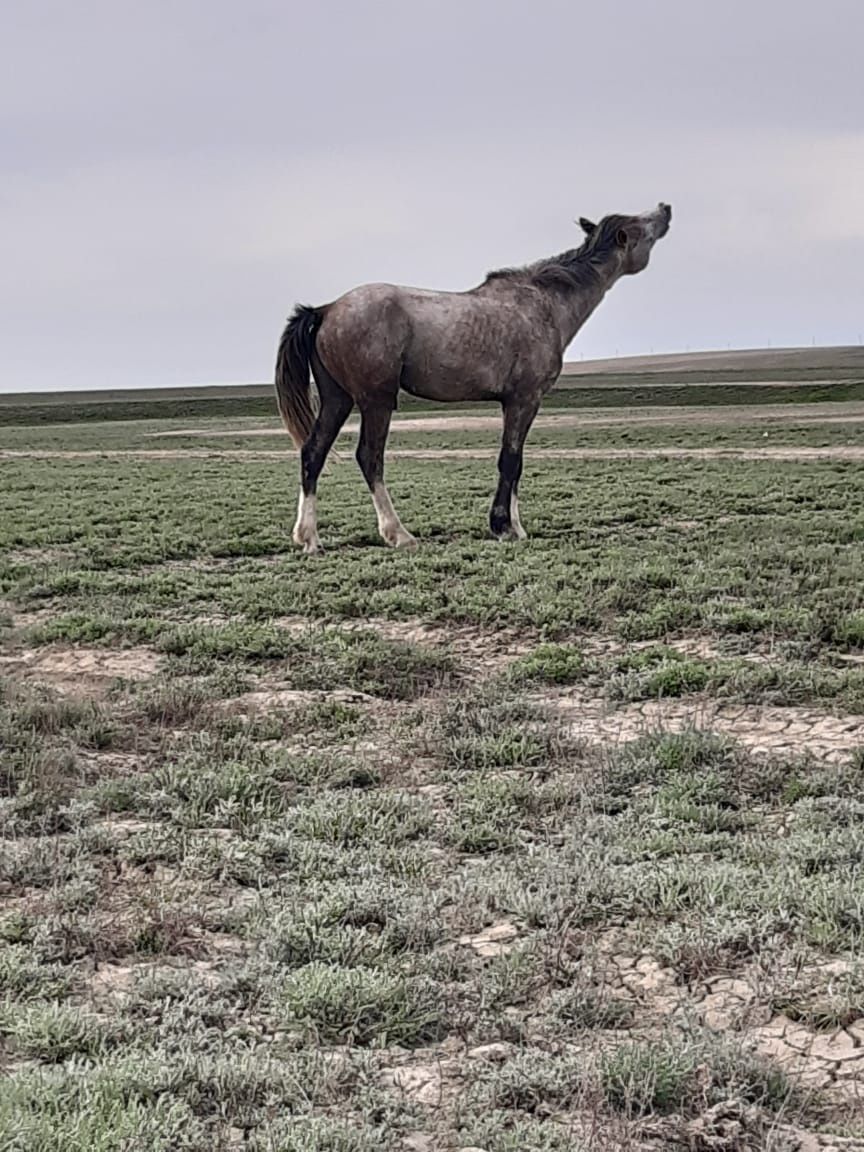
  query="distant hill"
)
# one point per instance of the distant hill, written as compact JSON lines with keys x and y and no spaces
{"x":751,"y":376}
{"x":784,"y":363}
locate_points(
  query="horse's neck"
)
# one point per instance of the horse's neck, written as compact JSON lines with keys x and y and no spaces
{"x":572,"y":308}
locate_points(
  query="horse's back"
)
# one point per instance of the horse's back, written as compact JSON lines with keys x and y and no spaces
{"x":445,"y":346}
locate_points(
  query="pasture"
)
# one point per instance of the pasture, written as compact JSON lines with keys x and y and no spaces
{"x":526,"y":846}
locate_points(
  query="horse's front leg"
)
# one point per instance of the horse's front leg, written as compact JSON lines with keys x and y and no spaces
{"x":519,"y":413}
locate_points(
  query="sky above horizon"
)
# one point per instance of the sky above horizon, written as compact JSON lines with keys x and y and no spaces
{"x":174,"y":177}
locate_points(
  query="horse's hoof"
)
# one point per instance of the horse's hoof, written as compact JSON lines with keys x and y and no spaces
{"x":406,"y":543}
{"x":310,"y":547}
{"x":397,"y":536}
{"x":511,"y":535}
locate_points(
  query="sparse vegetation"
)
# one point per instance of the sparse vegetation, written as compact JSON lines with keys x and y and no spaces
{"x":277,"y":874}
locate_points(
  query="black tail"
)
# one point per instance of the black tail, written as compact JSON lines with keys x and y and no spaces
{"x":293,"y":393}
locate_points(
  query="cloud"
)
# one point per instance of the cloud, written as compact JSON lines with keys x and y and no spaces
{"x":173,"y":178}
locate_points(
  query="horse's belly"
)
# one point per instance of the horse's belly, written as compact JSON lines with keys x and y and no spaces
{"x":449,"y":387}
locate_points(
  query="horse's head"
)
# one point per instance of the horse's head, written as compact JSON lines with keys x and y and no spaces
{"x":630,"y":237}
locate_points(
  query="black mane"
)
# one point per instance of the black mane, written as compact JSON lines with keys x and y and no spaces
{"x":575,"y":268}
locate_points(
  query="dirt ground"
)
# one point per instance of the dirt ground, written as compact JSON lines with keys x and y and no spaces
{"x":833,"y":413}
{"x":833,"y":452}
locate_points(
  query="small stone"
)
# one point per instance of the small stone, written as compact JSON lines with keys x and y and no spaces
{"x":832,"y":968}
{"x":625,"y":963}
{"x":418,"y":1142}
{"x":491,"y":941}
{"x":799,"y":1140}
{"x":114,"y":979}
{"x":420,"y":1083}
{"x":497,"y":1053}
{"x":718,"y":1019}
{"x":649,"y":976}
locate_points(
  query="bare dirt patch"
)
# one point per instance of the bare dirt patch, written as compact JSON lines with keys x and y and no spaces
{"x":46,"y":556}
{"x":791,"y":453}
{"x":827,"y":413}
{"x":763,"y":730}
{"x":76,"y":670}
{"x":494,"y":941}
{"x":816,"y":1060}
{"x":700,"y":647}
{"x":478,"y":649}
{"x":265,"y":699}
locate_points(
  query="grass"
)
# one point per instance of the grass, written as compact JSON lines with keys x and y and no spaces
{"x":677,"y":1076}
{"x":54,"y":1033}
{"x":619,"y":564}
{"x":363,"y":1006}
{"x":299,"y":883}
{"x":658,"y":671}
{"x":687,"y":382}
{"x":488,"y":730}
{"x":550,"y":664}
{"x":824,"y":1000}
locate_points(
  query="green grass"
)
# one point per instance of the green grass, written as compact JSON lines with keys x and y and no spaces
{"x":363,"y":1006}
{"x":550,"y":664}
{"x":771,"y":552}
{"x":232,"y":920}
{"x":662,"y":672}
{"x":696,"y":385}
{"x":489,"y":729}
{"x":662,"y":1077}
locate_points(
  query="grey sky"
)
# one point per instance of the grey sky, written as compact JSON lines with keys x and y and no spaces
{"x":176,"y":174}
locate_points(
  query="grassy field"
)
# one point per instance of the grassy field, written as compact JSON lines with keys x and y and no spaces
{"x":547,"y":846}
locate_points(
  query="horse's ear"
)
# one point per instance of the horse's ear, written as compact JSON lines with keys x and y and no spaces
{"x":586,"y":225}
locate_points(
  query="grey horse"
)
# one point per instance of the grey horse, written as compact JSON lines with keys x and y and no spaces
{"x":503,"y":340}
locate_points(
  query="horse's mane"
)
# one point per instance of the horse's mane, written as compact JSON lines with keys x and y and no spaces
{"x":575,"y":268}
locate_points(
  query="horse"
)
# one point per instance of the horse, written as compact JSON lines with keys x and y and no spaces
{"x":503,"y":340}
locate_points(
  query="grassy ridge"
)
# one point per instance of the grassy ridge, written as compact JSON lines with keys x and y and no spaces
{"x":779,"y":376}
{"x":565,"y":395}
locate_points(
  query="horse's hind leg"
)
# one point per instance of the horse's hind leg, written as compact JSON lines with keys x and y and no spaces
{"x":374,"y":426}
{"x":335,"y":404}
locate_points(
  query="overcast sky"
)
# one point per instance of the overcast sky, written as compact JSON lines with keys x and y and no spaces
{"x":176,"y":174}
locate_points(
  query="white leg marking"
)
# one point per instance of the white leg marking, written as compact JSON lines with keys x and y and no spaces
{"x":518,"y":531}
{"x":306,"y":527}
{"x":389,"y":525}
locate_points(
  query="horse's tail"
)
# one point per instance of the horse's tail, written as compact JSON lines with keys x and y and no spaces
{"x":293,"y":388}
